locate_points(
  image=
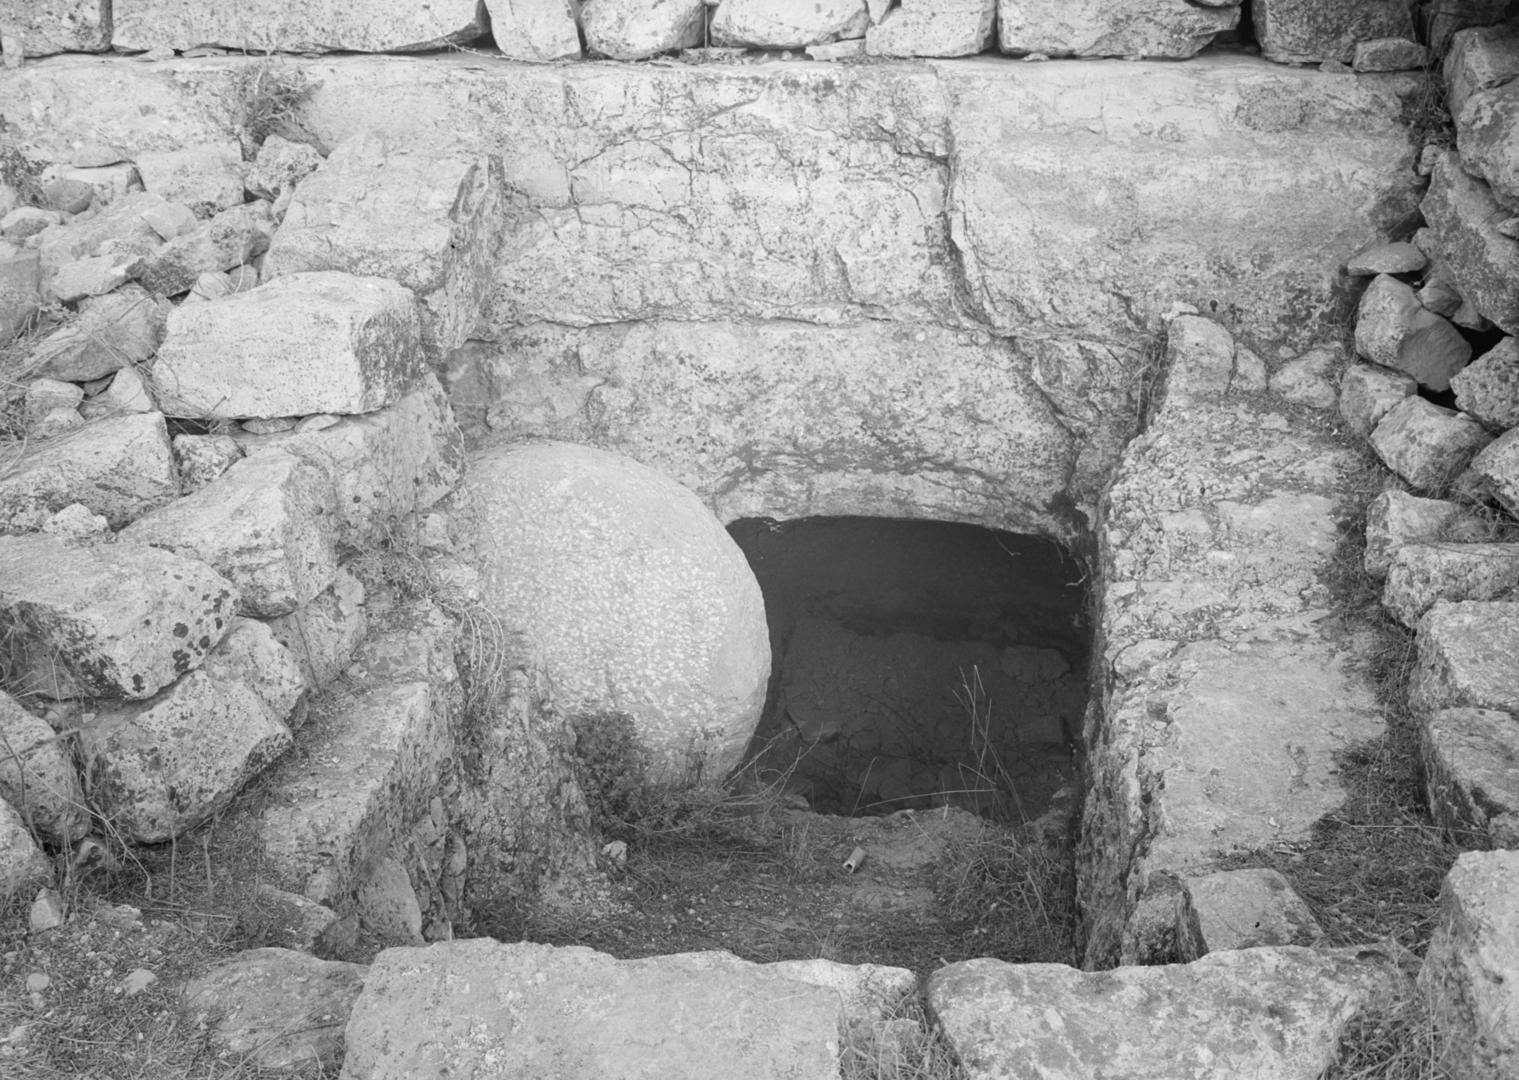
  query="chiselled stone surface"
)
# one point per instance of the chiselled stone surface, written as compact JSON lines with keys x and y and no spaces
{"x":44,"y":27}
{"x":1464,"y":216}
{"x":428,"y":219}
{"x":284,"y":1009}
{"x":304,"y":343}
{"x":1465,"y":657}
{"x":324,"y":26}
{"x":634,"y":1017}
{"x":632,"y":594}
{"x":1154,"y":28}
{"x":1275,"y":1012}
{"x":540,"y":30}
{"x":636,"y":29}
{"x":37,"y":776}
{"x":1422,"y":574}
{"x":266,"y":524}
{"x":124,"y":621}
{"x":157,"y":768}
{"x":1310,"y":31}
{"x":1470,"y":763}
{"x":1471,"y":972}
{"x":793,"y":421}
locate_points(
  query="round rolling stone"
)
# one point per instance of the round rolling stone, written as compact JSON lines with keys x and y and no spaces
{"x":631,"y":594}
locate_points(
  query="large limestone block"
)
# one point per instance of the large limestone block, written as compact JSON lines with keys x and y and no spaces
{"x":23,"y":867}
{"x":1276,"y":1012}
{"x":428,"y":219}
{"x":1471,"y":972}
{"x":1466,"y":653}
{"x":1155,"y":206}
{"x":118,"y":466}
{"x":1393,"y":329}
{"x":1479,"y":59}
{"x":323,"y":342}
{"x":1156,"y":28}
{"x":1464,"y":216}
{"x":1422,"y":574}
{"x":1426,"y":444}
{"x":266,"y":524}
{"x":37,"y":776}
{"x":457,"y":1008}
{"x":787,"y":24}
{"x":384,"y":465}
{"x":45,"y":27}
{"x":539,"y":30}
{"x":873,"y":419}
{"x":158,"y":768}
{"x":636,"y":29}
{"x":1470,"y":762}
{"x":369,"y":766}
{"x":318,"y":26}
{"x":934,"y":28}
{"x":115,"y":620}
{"x":632,"y":594}
{"x":280,"y":1008}
{"x":1311,"y":31}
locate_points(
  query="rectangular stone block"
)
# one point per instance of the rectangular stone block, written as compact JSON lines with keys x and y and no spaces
{"x":1150,"y":28}
{"x":110,"y":620}
{"x":45,"y":27}
{"x":1311,"y":31}
{"x":314,"y":26}
{"x":430,"y":220}
{"x":1470,"y":760}
{"x":323,"y":342}
{"x":1466,"y":653}
{"x":267,"y":524}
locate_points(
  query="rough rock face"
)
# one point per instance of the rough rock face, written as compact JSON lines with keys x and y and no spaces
{"x":1488,"y":127}
{"x":1156,"y":28}
{"x":1420,"y":575}
{"x":427,"y":219}
{"x":304,"y":343}
{"x":540,"y":30}
{"x":787,"y":24}
{"x":1465,"y":657}
{"x":1241,"y":909}
{"x":37,"y":776}
{"x":454,"y":1008}
{"x":1488,"y":388}
{"x":23,"y":867}
{"x":635,"y":29}
{"x":124,"y":621}
{"x":933,"y":28}
{"x":631,"y":592}
{"x":1310,"y":31}
{"x":1479,"y":59}
{"x":1275,"y":1012}
{"x":1393,"y":329}
{"x":1472,"y":969}
{"x":1464,"y":216}
{"x":379,"y":26}
{"x":44,"y":27}
{"x":1470,"y":761}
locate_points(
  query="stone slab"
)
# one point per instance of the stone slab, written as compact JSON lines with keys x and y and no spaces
{"x":1174,"y":29}
{"x":317,"y":26}
{"x":538,"y":30}
{"x":1241,"y":909}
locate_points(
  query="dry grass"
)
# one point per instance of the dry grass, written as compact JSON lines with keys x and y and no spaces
{"x":1400,"y":1042}
{"x":906,"y":1045}
{"x":267,"y":97}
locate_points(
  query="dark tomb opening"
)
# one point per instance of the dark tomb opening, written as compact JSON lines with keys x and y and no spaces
{"x":918,"y":664}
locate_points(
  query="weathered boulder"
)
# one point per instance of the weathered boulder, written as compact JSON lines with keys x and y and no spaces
{"x":1465,"y":657}
{"x":279,"y":166}
{"x":287,"y":920}
{"x":1464,"y":216}
{"x":539,"y":30}
{"x":206,"y":177}
{"x":1393,"y":329}
{"x":1470,"y":762}
{"x":874,"y":419}
{"x":45,"y":27}
{"x":281,"y":1008}
{"x":323,"y":634}
{"x":157,"y":768}
{"x":428,"y":219}
{"x":384,"y":465}
{"x":23,"y":867}
{"x":232,"y":238}
{"x":636,"y":29}
{"x":1389,"y":54}
{"x":253,"y":655}
{"x":1487,"y":128}
{"x":1471,"y":972}
{"x":933,"y":28}
{"x":93,"y":275}
{"x":119,"y":234}
{"x":1308,"y":379}
{"x":110,"y":333}
{"x":202,"y":458}
{"x":266,"y":524}
{"x":1395,"y":518}
{"x":106,"y":621}
{"x":634,"y":1016}
{"x":1393,"y":257}
{"x":1150,"y":28}
{"x":1441,"y":20}
{"x":1425,"y":444}
{"x":1494,"y":472}
{"x":631,"y":592}
{"x":386,"y":903}
{"x":380,"y":26}
{"x":1367,"y":392}
{"x":300,"y":344}
{"x":20,"y":290}
{"x":787,"y":24}
{"x":1422,"y":574}
{"x":1241,"y":909}
{"x":1276,"y":1011}
{"x":1479,"y":59}
{"x":126,"y":392}
{"x":1488,"y":387}
{"x":37,"y":776}
{"x":1309,"y":31}
{"x":120,"y":467}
